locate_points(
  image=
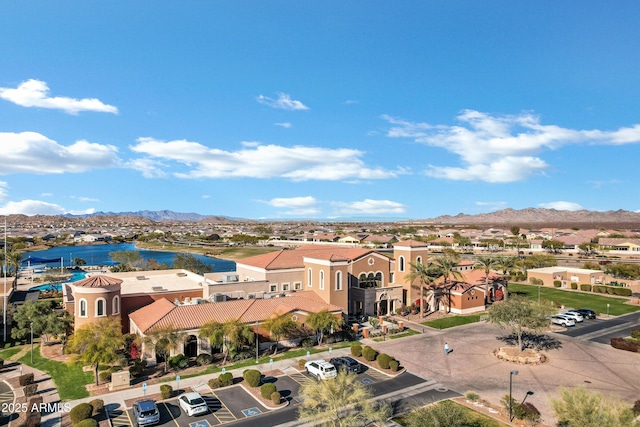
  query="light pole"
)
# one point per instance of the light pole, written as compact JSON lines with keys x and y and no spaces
{"x":511,"y":374}
{"x":4,"y":299}
{"x":257,"y":342}
{"x":31,"y":326}
{"x":607,"y":309}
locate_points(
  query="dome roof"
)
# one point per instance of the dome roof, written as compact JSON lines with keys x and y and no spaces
{"x":98,"y":281}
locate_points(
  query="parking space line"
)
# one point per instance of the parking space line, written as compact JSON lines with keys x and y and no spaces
{"x":375,"y":375}
{"x":219,"y":409}
{"x":120,"y":418}
{"x":170,"y":414}
{"x":300,"y":378}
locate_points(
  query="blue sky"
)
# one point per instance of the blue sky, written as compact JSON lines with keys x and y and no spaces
{"x":332,"y":109}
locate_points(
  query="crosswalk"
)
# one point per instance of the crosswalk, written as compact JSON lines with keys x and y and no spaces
{"x":300,"y":378}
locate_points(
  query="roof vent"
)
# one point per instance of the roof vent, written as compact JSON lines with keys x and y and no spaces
{"x":181,"y":274}
{"x":141,"y":278}
{"x":157,"y":288}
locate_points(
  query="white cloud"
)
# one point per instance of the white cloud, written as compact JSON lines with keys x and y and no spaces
{"x":351,"y":102}
{"x":494,"y":206}
{"x":3,"y":190}
{"x":561,"y":206}
{"x":35,"y":93}
{"x":496,"y":148}
{"x":371,"y":207}
{"x":37,"y":207}
{"x":285,"y":125}
{"x":31,"y":152}
{"x":149,"y":168}
{"x":284,"y":102}
{"x":297,"y":163}
{"x":292,"y":202}
{"x":205,"y":196}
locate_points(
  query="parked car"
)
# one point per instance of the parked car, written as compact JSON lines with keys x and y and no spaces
{"x":575,"y":316}
{"x":321,"y":369}
{"x":562,"y":320}
{"x":347,"y":364}
{"x":587,"y":313}
{"x":145,"y":413}
{"x":193,"y":404}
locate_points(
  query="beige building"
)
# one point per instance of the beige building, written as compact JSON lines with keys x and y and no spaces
{"x":566,"y":276}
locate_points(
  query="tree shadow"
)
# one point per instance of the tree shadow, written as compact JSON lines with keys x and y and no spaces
{"x":534,"y":341}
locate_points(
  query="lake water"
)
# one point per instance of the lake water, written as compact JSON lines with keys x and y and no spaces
{"x":99,"y":255}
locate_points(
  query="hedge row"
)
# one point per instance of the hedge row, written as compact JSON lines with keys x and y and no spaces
{"x":623,"y":344}
{"x":384,"y":360}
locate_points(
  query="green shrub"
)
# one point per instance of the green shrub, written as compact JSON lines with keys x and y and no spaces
{"x":472,"y":396}
{"x":138,"y":367}
{"x":636,"y":408}
{"x":30,"y":389}
{"x":25,"y":379}
{"x":356,"y":350}
{"x":179,"y":361}
{"x":252,"y":377}
{"x":214,"y":383}
{"x":530,"y":413}
{"x":307,"y":342}
{"x":166,"y":391}
{"x":97,"y":405}
{"x":275,"y":397}
{"x":89,"y":422}
{"x":225,"y":379}
{"x":585,"y":287}
{"x":574,"y":285}
{"x":635,"y":333}
{"x":204,"y":359}
{"x":267,"y":389}
{"x":105,"y":376}
{"x":557,"y":283}
{"x":622,"y":344}
{"x":301,"y":363}
{"x":394,"y":365}
{"x":598,"y":289}
{"x":369,"y":354}
{"x":80,"y":412}
{"x":624,"y":292}
{"x":383,"y":360}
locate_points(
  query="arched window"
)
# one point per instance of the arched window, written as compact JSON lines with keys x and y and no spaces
{"x":338,"y":280}
{"x":321,"y":284}
{"x":419,"y":260}
{"x":379,"y":279}
{"x":82,"y":309}
{"x":310,"y":278}
{"x":116,"y":304}
{"x":401,"y":263}
{"x":100,"y":307}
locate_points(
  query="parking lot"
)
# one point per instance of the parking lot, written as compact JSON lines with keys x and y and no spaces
{"x":234,"y":403}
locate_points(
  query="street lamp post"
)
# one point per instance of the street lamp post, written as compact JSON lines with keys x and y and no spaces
{"x":607,"y":309}
{"x":257,"y":342}
{"x":31,"y":326}
{"x":511,"y":374}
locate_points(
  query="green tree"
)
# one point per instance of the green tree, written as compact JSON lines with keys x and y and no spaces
{"x":14,"y":261}
{"x":164,"y":340}
{"x":426,"y":275}
{"x":553,"y":246}
{"x":446,"y":265}
{"x":47,"y":321}
{"x":79,"y":261}
{"x":578,"y":407}
{"x":96,"y":343}
{"x":519,"y":314}
{"x":509,"y":264}
{"x":486,"y":263}
{"x":323,"y":321}
{"x":539,"y":261}
{"x":341,"y":402}
{"x":229,"y":336}
{"x":588,"y":248}
{"x":442,"y":414}
{"x":190,"y":263}
{"x":129,"y":260}
{"x":280,"y":326}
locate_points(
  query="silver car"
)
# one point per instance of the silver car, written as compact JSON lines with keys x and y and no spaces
{"x":562,"y":320}
{"x":574,"y":315}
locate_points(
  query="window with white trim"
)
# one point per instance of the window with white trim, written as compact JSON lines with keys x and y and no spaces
{"x":297,"y":286}
{"x":401,"y":263}
{"x":338,"y":280}
{"x":285,"y":286}
{"x":419,"y":260}
{"x":321,"y":284}
{"x":273,"y":288}
{"x":116,"y":304}
{"x":82,"y":308}
{"x":100,"y":307}
{"x":310,"y":278}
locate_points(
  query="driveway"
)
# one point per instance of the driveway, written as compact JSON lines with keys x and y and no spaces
{"x":471,"y":365}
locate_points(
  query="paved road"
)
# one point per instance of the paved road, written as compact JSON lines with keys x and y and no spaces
{"x":602,"y":330}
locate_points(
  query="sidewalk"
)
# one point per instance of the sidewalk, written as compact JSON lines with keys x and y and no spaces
{"x":46,"y":389}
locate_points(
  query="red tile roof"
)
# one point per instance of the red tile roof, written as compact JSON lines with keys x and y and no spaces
{"x":293,"y":258}
{"x":411,"y":244}
{"x":163,"y":313}
{"x":98,"y":281}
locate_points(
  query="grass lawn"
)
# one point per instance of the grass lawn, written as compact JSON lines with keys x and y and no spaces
{"x":473,"y":418}
{"x":69,"y":379}
{"x":406,"y":333}
{"x":576,"y":299}
{"x":7,"y":353}
{"x":450,"y":322}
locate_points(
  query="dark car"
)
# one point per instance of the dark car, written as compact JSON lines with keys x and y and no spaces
{"x":347,"y":364}
{"x":145,"y":413}
{"x":586,"y":313}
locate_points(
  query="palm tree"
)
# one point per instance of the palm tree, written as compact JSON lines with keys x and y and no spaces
{"x":14,"y":261}
{"x":446,"y":265}
{"x":426,"y":275}
{"x":486,"y":263}
{"x":165,"y":340}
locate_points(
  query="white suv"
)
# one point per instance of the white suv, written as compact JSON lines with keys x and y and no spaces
{"x":320,"y":369}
